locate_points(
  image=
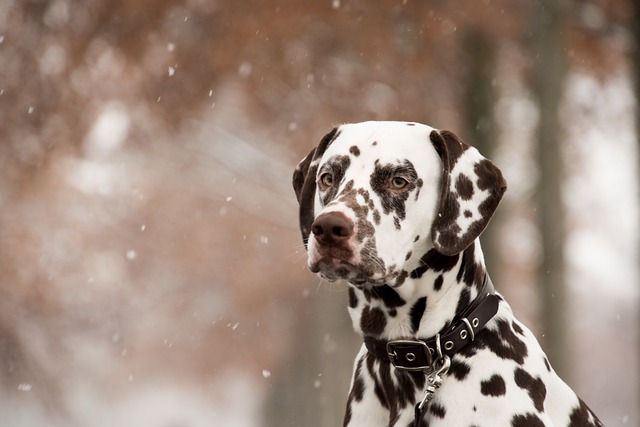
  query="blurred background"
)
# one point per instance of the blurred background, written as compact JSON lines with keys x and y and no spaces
{"x":151,"y":268}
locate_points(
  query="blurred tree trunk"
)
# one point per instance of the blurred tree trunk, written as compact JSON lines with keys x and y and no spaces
{"x":480,"y":118}
{"x":311,"y":389}
{"x":549,"y":75}
{"x":636,"y":77}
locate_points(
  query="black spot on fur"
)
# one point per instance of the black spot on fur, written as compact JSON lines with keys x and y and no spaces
{"x":416,"y":313}
{"x":459,"y":369}
{"x":494,"y":386}
{"x":468,"y":214}
{"x":373,"y":321}
{"x":547,"y":364}
{"x":354,"y":150}
{"x":526,"y":420}
{"x":534,"y":386}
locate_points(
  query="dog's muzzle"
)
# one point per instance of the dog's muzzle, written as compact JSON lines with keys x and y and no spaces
{"x":333,"y":255}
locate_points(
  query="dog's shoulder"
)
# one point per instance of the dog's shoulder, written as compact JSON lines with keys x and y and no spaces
{"x":505,"y":376}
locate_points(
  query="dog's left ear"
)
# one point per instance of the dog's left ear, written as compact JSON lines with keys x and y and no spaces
{"x":471,"y":189}
{"x":304,"y":183}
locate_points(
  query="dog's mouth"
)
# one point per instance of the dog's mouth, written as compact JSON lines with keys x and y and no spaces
{"x":334,"y":268}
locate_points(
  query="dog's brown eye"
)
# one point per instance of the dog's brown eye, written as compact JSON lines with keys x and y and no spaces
{"x":399,"y":183}
{"x":326,"y":179}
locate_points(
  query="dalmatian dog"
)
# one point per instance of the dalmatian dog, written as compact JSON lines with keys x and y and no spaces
{"x":395,"y":209}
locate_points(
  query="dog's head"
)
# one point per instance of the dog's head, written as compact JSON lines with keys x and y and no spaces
{"x":376,"y":196}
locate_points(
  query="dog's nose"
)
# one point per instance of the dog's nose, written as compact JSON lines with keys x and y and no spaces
{"x":331,"y":228}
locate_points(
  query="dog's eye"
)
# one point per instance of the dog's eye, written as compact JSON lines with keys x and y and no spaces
{"x":399,"y":183}
{"x":326,"y":179}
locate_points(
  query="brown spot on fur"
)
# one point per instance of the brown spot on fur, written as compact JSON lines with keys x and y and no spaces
{"x":527,"y":420}
{"x":459,"y":369}
{"x":304,"y":183}
{"x":376,"y":217}
{"x":436,"y":261}
{"x":503,"y":342}
{"x":337,"y":166}
{"x":517,"y":328}
{"x":471,"y":273}
{"x":437,"y":410}
{"x":373,"y":321}
{"x":419,"y":184}
{"x":356,"y":393}
{"x":393,"y":200}
{"x":445,"y":229}
{"x":582,"y":416}
{"x":464,"y":187}
{"x":386,"y":294}
{"x":401,"y":278}
{"x":354,"y":150}
{"x":437,"y":284}
{"x":353,"y":298}
{"x":534,"y":386}
{"x":494,"y":386}
{"x":416,"y":313}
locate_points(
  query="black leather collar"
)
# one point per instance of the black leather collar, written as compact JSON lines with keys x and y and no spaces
{"x":423,"y":355}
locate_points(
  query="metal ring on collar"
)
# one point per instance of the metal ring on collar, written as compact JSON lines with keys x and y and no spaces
{"x":438,"y":347}
{"x":469,"y":328}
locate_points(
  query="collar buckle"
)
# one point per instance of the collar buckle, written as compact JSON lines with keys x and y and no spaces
{"x":410,"y":355}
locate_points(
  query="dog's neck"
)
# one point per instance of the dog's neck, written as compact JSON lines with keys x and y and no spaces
{"x":426,"y":302}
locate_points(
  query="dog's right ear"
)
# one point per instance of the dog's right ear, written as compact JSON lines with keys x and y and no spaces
{"x":304,"y":182}
{"x":472,"y":187}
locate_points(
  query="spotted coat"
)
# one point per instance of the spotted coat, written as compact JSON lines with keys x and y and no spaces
{"x":395,"y":209}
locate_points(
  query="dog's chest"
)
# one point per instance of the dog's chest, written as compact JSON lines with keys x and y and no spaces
{"x":497,"y":377}
{"x":382,"y":312}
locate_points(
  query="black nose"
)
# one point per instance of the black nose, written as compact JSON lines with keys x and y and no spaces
{"x":332,"y":228}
